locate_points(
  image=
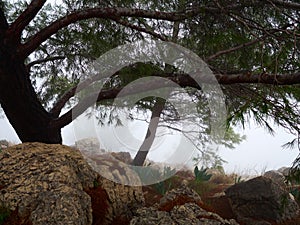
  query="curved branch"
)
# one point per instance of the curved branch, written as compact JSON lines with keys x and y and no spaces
{"x":104,"y":13}
{"x":25,"y":18}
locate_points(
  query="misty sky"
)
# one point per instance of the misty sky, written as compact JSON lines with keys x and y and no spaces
{"x":259,"y":152}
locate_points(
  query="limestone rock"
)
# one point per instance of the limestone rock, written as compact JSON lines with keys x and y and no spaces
{"x":186,"y":214}
{"x":179,"y":206}
{"x":111,"y":168}
{"x":262,"y":199}
{"x":48,"y":184}
{"x":4,"y":144}
{"x":284,"y":170}
{"x":122,"y":156}
{"x":276,"y":176}
{"x":89,"y":146}
{"x":179,"y":196}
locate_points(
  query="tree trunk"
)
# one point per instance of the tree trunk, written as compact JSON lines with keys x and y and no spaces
{"x":143,"y":151}
{"x":19,"y":100}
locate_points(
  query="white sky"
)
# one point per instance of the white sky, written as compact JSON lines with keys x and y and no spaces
{"x":259,"y":152}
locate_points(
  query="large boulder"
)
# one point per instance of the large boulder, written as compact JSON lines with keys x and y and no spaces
{"x":53,"y":184}
{"x":261,"y":199}
{"x":179,"y":206}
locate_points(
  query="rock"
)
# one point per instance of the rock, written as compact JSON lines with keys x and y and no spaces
{"x":49,"y":184}
{"x":111,"y":168}
{"x":179,"y":196}
{"x":89,"y":146}
{"x":276,"y":176}
{"x":122,"y":156}
{"x":185,"y":214}
{"x":179,"y":206}
{"x":284,"y":170}
{"x":4,"y":144}
{"x":262,"y":199}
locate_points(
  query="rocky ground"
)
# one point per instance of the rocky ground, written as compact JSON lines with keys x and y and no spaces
{"x":53,"y":184}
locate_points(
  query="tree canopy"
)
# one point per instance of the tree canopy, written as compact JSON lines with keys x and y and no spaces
{"x":252,"y":48}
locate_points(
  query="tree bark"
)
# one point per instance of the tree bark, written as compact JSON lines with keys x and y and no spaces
{"x":143,"y":151}
{"x":20,"y":102}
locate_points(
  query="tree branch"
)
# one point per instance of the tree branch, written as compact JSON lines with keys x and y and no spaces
{"x":223,"y":52}
{"x":3,"y":24}
{"x":48,"y":59}
{"x":285,"y":4}
{"x":182,"y":80}
{"x":141,"y":29}
{"x":104,"y":13}
{"x":24,"y":19}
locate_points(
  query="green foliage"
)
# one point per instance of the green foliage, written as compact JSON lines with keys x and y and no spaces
{"x":201,"y":175}
{"x":162,"y":187}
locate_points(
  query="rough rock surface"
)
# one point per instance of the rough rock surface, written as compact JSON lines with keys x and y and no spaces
{"x":178,"y":206}
{"x":284,"y":170}
{"x":89,"y":146}
{"x":112,"y":168}
{"x":4,"y":144}
{"x":186,"y":214}
{"x":262,"y":199}
{"x":47,"y":184}
{"x":276,"y":176}
{"x":179,"y":196}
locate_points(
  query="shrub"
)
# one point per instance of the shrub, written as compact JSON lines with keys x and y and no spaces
{"x":201,"y":175}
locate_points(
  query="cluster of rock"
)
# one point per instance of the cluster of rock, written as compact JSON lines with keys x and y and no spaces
{"x":178,"y":206}
{"x":55,"y":184}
